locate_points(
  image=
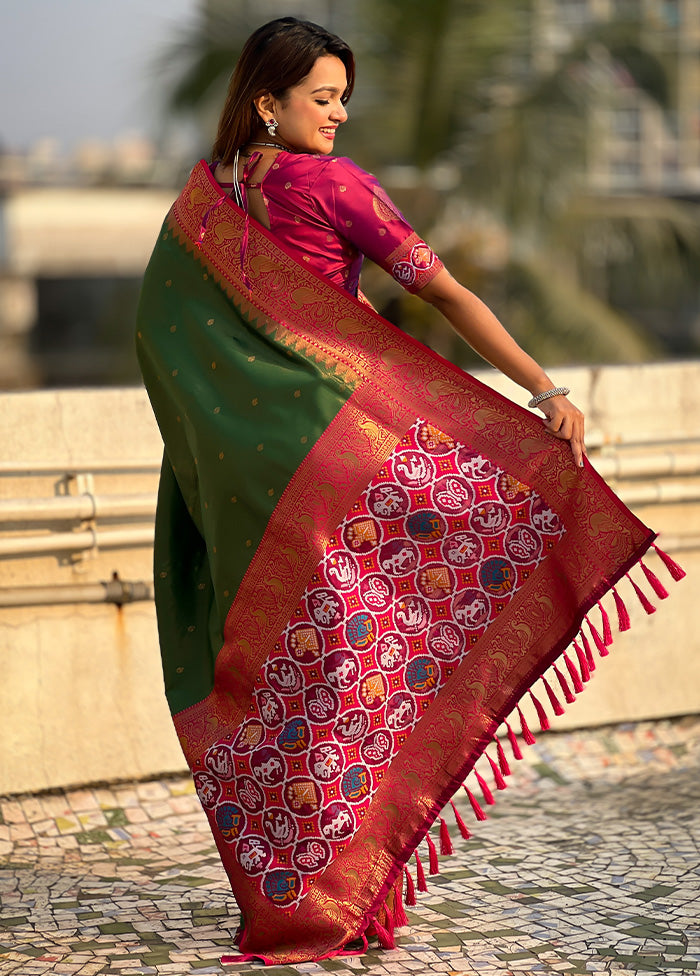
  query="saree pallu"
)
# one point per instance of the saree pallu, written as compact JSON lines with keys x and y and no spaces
{"x":364,"y":560}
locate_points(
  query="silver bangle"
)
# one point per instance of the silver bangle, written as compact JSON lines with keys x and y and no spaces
{"x":557,"y":391}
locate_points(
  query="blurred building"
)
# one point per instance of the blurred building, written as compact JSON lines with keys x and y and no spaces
{"x":75,"y":236}
{"x":640,"y":146}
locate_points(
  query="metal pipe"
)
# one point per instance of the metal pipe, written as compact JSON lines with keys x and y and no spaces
{"x":114,"y":591}
{"x":621,"y":465}
{"x":680,"y":543}
{"x":659,"y":493}
{"x":70,"y":467}
{"x":76,"y":541}
{"x":80,"y":507}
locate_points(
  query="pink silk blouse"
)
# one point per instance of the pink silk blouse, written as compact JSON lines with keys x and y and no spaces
{"x":332,"y":213}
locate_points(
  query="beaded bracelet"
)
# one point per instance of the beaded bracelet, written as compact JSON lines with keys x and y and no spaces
{"x":557,"y":391}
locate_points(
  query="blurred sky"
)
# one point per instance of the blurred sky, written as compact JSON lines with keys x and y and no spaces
{"x":79,"y":69}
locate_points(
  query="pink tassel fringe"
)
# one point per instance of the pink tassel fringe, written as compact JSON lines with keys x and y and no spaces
{"x":514,"y":744}
{"x":498,"y":778}
{"x":502,"y":761}
{"x":573,"y":674}
{"x":400,"y":917}
{"x":597,"y":639}
{"x":587,"y":648}
{"x":461,"y":826}
{"x":654,"y":581}
{"x":433,"y":866}
{"x":623,"y":617}
{"x":677,"y":572}
{"x":410,"y":889}
{"x":478,"y":812}
{"x":420,"y":873}
{"x":500,"y":769}
{"x":605,"y":620}
{"x":643,"y":599}
{"x":385,"y":935}
{"x":557,"y":707}
{"x":564,"y":684}
{"x":541,"y":714}
{"x":582,"y":662}
{"x":525,"y":731}
{"x":485,"y":789}
{"x":445,"y":839}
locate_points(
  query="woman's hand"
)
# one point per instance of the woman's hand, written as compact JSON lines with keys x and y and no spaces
{"x":565,"y":421}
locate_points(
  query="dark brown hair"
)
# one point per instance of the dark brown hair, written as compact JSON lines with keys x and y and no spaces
{"x":275,"y":57}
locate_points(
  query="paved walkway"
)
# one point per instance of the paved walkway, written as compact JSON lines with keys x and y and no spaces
{"x":589,"y":865}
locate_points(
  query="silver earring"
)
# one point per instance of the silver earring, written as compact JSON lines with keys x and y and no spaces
{"x":272,"y":127}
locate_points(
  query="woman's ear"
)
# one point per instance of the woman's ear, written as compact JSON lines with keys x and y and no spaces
{"x":264,"y":106}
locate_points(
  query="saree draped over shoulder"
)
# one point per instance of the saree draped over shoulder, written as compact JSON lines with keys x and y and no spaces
{"x":364,"y":560}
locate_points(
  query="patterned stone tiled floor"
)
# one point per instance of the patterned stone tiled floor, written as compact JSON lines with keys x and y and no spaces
{"x":589,"y":865}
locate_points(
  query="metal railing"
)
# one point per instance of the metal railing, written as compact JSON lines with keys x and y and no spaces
{"x":67,"y":524}
{"x":115,"y":591}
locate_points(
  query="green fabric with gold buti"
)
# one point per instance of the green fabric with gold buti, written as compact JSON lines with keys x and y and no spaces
{"x":238,"y":412}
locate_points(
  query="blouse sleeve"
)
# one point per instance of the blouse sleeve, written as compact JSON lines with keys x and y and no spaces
{"x":361,"y":211}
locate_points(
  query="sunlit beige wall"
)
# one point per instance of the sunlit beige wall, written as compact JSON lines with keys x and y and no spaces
{"x":81,"y":696}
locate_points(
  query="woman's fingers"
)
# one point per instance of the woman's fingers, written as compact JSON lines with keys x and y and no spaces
{"x":578,"y":448}
{"x":579,"y":451}
{"x":560,"y":426}
{"x":566,"y":422}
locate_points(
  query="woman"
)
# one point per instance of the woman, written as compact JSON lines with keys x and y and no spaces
{"x":364,"y":558}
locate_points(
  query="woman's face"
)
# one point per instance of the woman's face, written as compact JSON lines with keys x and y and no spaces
{"x":311,"y":111}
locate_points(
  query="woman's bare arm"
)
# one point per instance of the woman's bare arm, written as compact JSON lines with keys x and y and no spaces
{"x":478,"y":326}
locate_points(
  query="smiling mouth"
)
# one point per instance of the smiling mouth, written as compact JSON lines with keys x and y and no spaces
{"x":328,"y":133}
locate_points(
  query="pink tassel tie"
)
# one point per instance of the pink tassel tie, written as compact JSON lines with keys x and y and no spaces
{"x":654,"y":581}
{"x":677,"y":572}
{"x":205,"y":220}
{"x":557,"y":707}
{"x":564,"y":685}
{"x":587,"y":648}
{"x":527,"y":735}
{"x":605,"y":620}
{"x":582,"y":662}
{"x":643,"y":599}
{"x":541,"y":714}
{"x":385,"y":935}
{"x":445,"y":839}
{"x":573,"y":673}
{"x":461,"y":826}
{"x":410,"y":889}
{"x":502,"y":761}
{"x":485,"y":789}
{"x":478,"y":812}
{"x":400,"y":917}
{"x":597,"y":639}
{"x":433,"y":866}
{"x":514,"y":744}
{"x":498,"y":778}
{"x":420,"y":873}
{"x":623,"y":617}
{"x":244,"y":253}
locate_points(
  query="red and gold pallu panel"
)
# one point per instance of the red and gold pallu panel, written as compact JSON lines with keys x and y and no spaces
{"x":432,"y":556}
